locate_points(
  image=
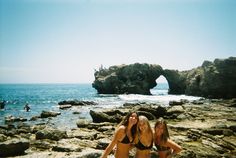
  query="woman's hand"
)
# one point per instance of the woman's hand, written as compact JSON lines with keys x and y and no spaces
{"x":114,"y":149}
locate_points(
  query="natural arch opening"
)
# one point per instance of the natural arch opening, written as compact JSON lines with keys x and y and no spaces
{"x":162,"y":86}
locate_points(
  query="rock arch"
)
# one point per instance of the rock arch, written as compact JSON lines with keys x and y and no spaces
{"x":162,"y":86}
{"x":134,"y":78}
{"x":212,"y":79}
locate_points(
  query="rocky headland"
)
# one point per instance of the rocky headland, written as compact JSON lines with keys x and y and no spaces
{"x":204,"y":128}
{"x":211,"y":79}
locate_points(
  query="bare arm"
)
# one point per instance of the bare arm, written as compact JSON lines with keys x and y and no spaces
{"x":112,"y":144}
{"x":175,"y":148}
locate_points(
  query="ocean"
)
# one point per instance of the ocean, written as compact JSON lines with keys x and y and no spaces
{"x":46,"y":97}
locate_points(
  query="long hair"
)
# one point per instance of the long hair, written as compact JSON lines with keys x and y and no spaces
{"x":165,"y":134}
{"x":125,"y":122}
{"x":149,"y":130}
{"x":147,"y":122}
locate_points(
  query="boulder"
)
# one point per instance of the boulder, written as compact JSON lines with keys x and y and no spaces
{"x":50,"y":133}
{"x":46,"y":114}
{"x":13,"y":147}
{"x":102,"y":117}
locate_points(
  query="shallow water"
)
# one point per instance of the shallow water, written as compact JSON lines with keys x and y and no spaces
{"x":46,"y":96}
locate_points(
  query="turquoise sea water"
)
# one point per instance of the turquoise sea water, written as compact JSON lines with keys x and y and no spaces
{"x":46,"y":97}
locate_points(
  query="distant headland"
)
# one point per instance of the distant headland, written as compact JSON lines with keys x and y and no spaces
{"x":211,"y":80}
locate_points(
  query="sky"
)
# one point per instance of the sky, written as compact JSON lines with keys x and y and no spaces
{"x":64,"y":41}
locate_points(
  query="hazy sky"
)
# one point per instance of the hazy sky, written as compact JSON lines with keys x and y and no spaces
{"x":63,"y":41}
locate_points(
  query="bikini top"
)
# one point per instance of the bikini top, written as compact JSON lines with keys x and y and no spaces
{"x":161,"y":148}
{"x":126,"y":140}
{"x":140,"y":146}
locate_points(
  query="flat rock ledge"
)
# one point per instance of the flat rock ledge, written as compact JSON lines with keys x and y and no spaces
{"x":204,"y":128}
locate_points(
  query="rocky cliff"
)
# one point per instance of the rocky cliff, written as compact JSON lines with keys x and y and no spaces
{"x":215,"y":79}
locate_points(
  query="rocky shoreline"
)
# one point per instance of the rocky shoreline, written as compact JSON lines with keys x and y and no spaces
{"x":204,"y":128}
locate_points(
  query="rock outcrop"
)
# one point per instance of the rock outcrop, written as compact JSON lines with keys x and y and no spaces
{"x":132,"y":79}
{"x":212,"y":79}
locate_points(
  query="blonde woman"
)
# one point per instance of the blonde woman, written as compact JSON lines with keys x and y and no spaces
{"x":123,"y":137}
{"x":144,"y":138}
{"x":166,"y":147}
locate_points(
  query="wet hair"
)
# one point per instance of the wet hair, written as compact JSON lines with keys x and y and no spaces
{"x":125,"y":122}
{"x":165,"y":134}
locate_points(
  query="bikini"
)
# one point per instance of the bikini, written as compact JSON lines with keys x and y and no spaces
{"x":161,"y":148}
{"x":126,"y":140}
{"x":140,"y":146}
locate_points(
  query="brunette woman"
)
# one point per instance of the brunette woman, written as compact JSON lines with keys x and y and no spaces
{"x":166,"y":147}
{"x":123,"y":137}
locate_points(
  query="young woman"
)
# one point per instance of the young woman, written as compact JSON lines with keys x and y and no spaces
{"x":123,"y":137}
{"x":166,"y":147}
{"x":144,"y":138}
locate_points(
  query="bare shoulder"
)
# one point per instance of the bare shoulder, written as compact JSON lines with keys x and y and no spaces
{"x":120,"y":131}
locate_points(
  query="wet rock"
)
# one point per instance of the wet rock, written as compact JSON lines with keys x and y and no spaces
{"x":14,"y":119}
{"x":156,"y":110}
{"x":13,"y":147}
{"x":77,"y":102}
{"x":66,"y":106}
{"x":198,"y":102}
{"x":34,"y":118}
{"x":46,"y":114}
{"x":172,"y":103}
{"x":102,"y":117}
